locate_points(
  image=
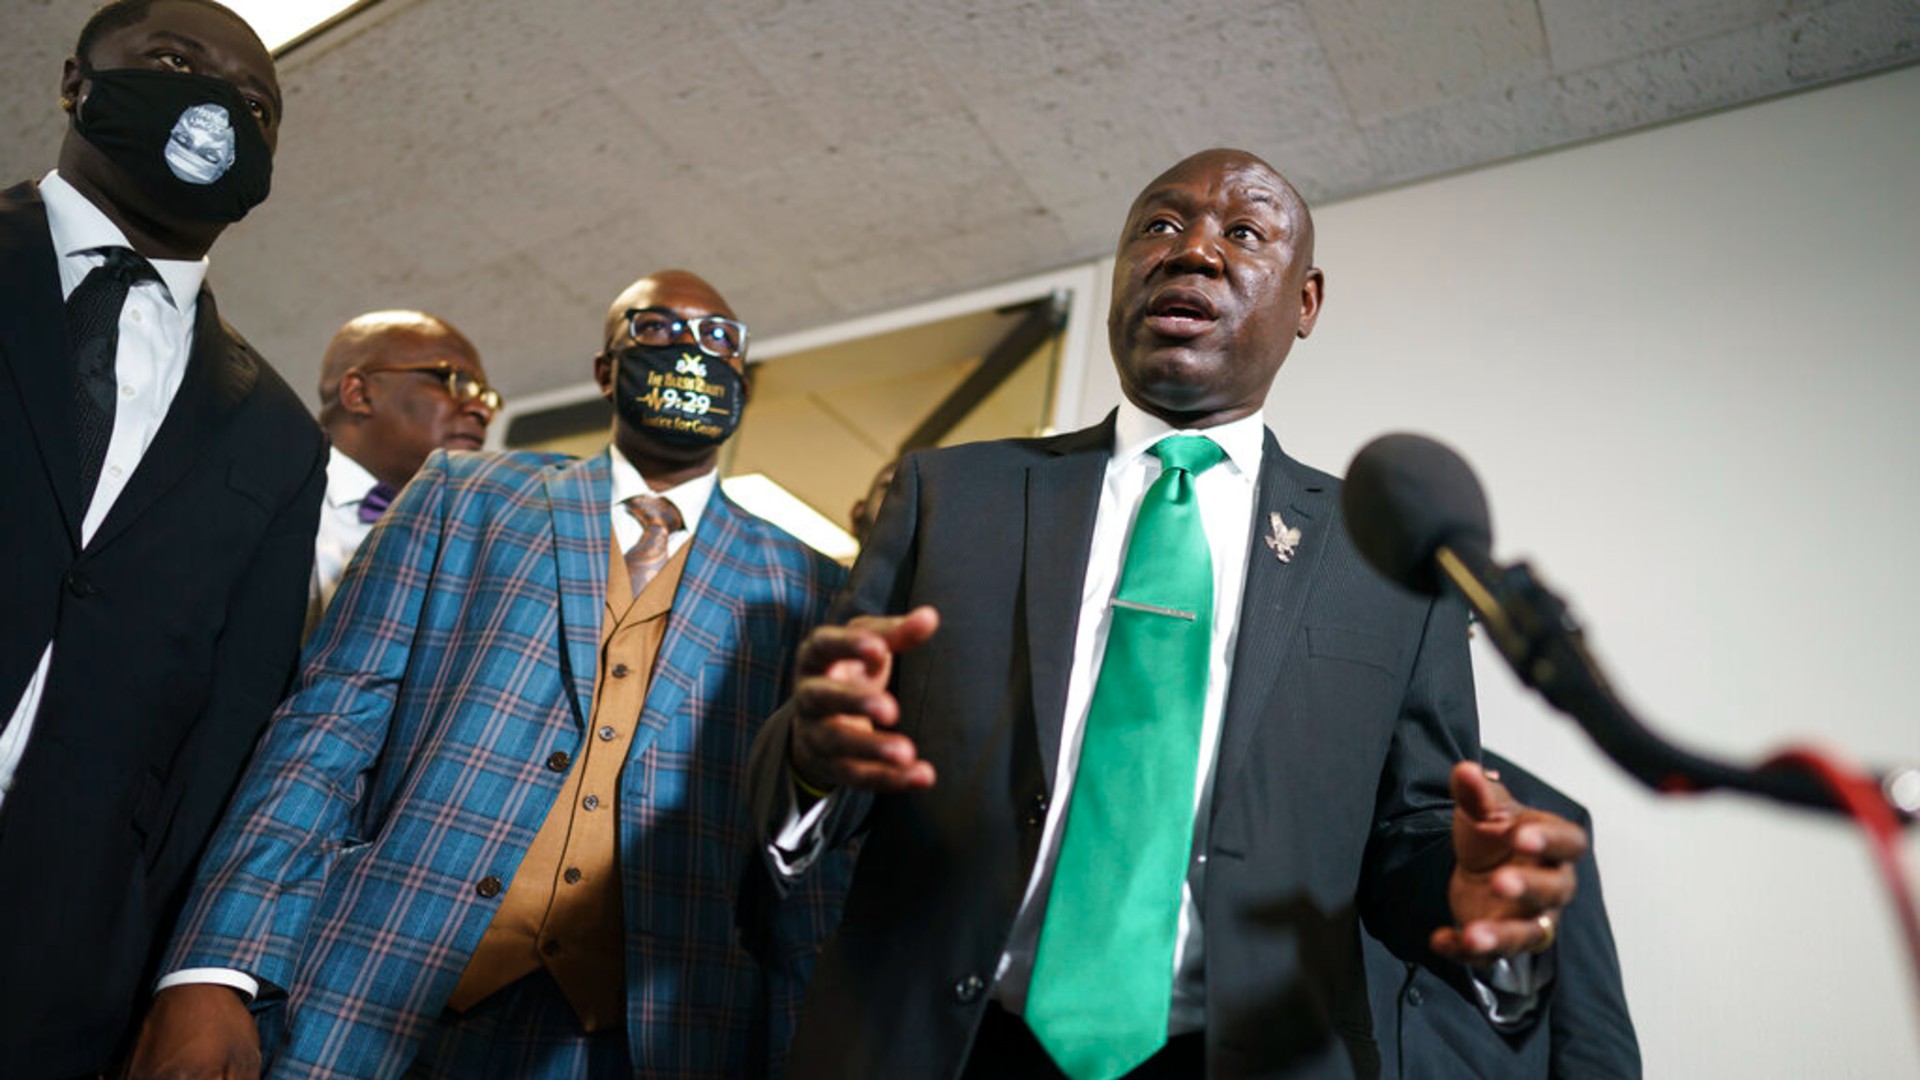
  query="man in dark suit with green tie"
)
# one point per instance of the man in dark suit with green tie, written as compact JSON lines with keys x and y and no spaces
{"x":1131,"y":738}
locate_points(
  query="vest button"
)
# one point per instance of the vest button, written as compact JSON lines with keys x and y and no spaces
{"x":621,"y":671}
{"x":968,"y":990}
{"x":559,"y":760}
{"x":591,"y":802}
{"x":550,"y":947}
{"x":488,"y":887}
{"x":607,"y":734}
{"x":572,"y":875}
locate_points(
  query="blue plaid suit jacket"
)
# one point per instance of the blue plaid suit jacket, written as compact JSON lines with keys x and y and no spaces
{"x":410,"y":764}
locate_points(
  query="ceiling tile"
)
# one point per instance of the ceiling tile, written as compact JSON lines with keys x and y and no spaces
{"x":1394,"y":57}
{"x":1583,"y":34}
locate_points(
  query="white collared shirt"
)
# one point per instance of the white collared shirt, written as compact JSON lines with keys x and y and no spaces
{"x":690,"y":498}
{"x":341,"y":530}
{"x":156,"y":337}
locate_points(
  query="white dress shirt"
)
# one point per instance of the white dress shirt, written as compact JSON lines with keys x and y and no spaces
{"x":156,"y":336}
{"x":341,"y":530}
{"x":690,"y":498}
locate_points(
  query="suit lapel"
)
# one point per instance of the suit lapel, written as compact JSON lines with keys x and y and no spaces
{"x":33,"y":344}
{"x":1063,"y":498}
{"x":1275,"y":598}
{"x":220,"y":376}
{"x":578,"y":496}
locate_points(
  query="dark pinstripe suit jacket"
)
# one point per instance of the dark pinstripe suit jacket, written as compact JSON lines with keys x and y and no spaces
{"x":1351,"y":699}
{"x":409,"y":767}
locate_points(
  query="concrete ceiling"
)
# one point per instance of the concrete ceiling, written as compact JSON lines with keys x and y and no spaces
{"x":511,"y":165}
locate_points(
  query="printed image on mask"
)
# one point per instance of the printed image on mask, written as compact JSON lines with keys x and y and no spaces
{"x":678,"y":394}
{"x":188,"y":140}
{"x":201,"y":149}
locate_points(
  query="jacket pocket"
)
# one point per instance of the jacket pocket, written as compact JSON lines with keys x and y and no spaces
{"x":1354,"y":646}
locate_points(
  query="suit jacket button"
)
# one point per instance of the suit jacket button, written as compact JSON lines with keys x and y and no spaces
{"x":968,"y":990}
{"x":488,"y":887}
{"x":1414,"y":996}
{"x":559,"y":760}
{"x":1037,"y":816}
{"x":81,"y":585}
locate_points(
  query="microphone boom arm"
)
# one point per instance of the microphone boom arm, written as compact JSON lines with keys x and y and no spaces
{"x":1544,"y":644}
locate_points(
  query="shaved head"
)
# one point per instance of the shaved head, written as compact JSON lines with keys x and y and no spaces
{"x":387,"y":392}
{"x":367,"y":337}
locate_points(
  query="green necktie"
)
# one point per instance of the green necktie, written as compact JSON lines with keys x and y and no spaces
{"x":1103,"y":970}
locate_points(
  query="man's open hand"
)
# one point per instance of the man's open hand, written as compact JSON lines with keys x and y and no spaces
{"x":842,"y":733}
{"x":1513,"y":871}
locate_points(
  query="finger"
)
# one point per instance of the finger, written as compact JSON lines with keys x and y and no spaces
{"x":1478,"y":795}
{"x":1485,"y":939}
{"x":826,"y":646}
{"x":886,"y":779}
{"x":910,"y":631}
{"x":1534,"y":889}
{"x":819,"y":699}
{"x":1548,"y":836}
{"x":836,"y":740}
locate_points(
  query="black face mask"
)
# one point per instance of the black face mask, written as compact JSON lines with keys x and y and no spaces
{"x":678,"y":394}
{"x":189,"y":140}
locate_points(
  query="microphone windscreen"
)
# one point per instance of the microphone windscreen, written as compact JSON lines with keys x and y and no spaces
{"x":1404,"y":497}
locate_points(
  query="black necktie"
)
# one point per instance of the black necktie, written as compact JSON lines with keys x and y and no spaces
{"x":93,"y":325}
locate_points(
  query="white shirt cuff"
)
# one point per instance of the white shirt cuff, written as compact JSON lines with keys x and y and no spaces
{"x":796,"y":847}
{"x":1509,"y":988}
{"x":248,"y":986}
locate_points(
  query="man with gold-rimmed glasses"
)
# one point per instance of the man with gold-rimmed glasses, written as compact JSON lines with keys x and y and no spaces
{"x":394,"y":386}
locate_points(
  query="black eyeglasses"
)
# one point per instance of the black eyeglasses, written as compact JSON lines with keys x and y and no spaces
{"x":462,"y":385}
{"x":715,"y":335}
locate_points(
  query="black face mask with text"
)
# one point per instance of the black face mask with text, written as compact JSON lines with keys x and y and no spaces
{"x":189,"y":140}
{"x":678,"y":394}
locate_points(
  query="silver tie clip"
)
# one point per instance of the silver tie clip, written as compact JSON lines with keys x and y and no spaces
{"x":1153,"y":609}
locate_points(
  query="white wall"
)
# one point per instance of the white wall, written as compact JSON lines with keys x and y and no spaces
{"x":1683,"y":363}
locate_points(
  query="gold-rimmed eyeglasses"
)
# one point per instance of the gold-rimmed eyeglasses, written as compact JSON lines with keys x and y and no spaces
{"x":462,"y":385}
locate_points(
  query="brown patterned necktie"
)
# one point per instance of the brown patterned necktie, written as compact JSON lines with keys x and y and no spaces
{"x":658,"y":518}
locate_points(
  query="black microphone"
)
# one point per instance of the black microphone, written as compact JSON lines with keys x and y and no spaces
{"x":1416,"y":512}
{"x":1418,"y":516}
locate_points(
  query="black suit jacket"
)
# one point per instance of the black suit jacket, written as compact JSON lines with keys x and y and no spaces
{"x":1350,"y":701}
{"x":1429,"y":1031}
{"x":175,"y":632}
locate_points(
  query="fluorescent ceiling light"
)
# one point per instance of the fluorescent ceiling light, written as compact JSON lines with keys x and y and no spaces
{"x":280,"y":22}
{"x":761,"y":496}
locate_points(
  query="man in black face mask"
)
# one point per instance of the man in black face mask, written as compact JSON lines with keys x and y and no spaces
{"x":161,"y":487}
{"x":498,"y":828}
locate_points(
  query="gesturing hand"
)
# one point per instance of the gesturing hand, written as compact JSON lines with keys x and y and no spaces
{"x":1513,"y":871}
{"x":841,"y":735}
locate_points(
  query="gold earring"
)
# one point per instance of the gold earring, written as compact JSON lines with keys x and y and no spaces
{"x":66,"y":103}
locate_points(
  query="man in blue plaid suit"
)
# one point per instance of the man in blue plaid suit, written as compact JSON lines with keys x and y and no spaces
{"x":497,"y":829}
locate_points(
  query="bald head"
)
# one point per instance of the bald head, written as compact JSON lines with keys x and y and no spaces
{"x":377,"y":338}
{"x":678,"y":290}
{"x":1213,"y":281}
{"x":387,"y":392}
